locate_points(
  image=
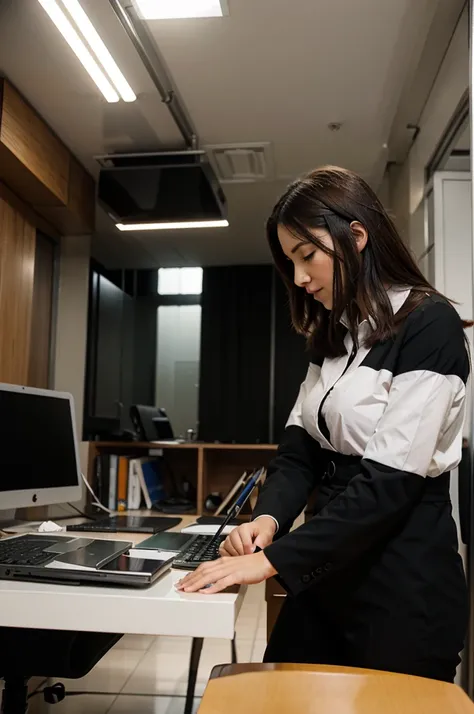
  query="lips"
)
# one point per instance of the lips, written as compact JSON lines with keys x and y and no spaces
{"x":313,"y":292}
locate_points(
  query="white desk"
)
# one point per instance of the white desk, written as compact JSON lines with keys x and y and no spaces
{"x":156,"y":610}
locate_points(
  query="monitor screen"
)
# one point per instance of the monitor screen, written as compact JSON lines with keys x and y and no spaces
{"x":37,"y":448}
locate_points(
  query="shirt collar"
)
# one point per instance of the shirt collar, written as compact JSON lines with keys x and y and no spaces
{"x":397,"y":295}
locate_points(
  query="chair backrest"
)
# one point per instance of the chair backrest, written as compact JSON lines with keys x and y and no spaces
{"x":314,"y":689}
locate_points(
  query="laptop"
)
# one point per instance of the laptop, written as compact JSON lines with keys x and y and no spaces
{"x":39,"y":465}
{"x":62,"y":559}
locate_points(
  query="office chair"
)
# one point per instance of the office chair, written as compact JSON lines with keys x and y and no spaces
{"x":26,"y":653}
{"x":320,"y":689}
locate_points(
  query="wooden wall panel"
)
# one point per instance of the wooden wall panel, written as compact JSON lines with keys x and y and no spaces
{"x":37,"y":150}
{"x":81,"y":195}
{"x":40,"y":169}
{"x":27,"y":211}
{"x":79,"y":215}
{"x":42,"y":313}
{"x":17,"y":260}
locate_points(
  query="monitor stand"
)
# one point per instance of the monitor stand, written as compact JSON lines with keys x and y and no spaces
{"x":8,"y":520}
{"x":11,"y":523}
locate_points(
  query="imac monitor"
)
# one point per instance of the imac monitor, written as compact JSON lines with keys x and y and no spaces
{"x":39,"y":458}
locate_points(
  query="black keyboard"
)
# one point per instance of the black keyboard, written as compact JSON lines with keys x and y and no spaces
{"x":25,"y":551}
{"x":202,"y":549}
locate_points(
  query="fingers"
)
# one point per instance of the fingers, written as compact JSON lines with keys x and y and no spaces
{"x":221,"y":585}
{"x":241,"y":540}
{"x":247,"y":534}
{"x":235,"y":543}
{"x":227,"y":550}
{"x":262,"y":540}
{"x":206,"y":570}
{"x":206,"y":574}
{"x":214,"y":577}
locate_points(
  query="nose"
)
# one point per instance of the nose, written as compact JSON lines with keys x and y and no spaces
{"x":301,"y":278}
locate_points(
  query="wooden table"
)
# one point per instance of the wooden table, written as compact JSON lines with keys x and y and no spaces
{"x":313,"y":689}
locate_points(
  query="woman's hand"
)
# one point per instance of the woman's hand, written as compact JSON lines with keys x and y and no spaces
{"x":220,"y":574}
{"x":249,"y":536}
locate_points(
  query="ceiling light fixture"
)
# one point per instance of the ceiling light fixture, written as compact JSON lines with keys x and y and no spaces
{"x":100,"y":50}
{"x":171,"y":226}
{"x":79,"y":49}
{"x":180,"y":9}
{"x":111,"y":93}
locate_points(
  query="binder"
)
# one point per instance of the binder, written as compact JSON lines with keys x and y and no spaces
{"x":122,"y":484}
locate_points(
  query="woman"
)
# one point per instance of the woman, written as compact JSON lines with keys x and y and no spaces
{"x":374,"y":578}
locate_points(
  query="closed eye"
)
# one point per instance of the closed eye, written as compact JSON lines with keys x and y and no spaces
{"x":308,"y":257}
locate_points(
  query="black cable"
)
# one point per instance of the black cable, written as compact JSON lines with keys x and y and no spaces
{"x":38,"y":689}
{"x":119,"y":694}
{"x":57,"y":692}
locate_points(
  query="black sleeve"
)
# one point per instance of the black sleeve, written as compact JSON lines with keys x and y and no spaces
{"x":424,"y":417}
{"x":291,"y":477}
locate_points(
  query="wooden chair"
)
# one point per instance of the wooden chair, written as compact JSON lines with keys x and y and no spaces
{"x":315,"y":689}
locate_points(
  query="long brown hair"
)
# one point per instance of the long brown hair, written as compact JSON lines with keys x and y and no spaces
{"x":332,"y":198}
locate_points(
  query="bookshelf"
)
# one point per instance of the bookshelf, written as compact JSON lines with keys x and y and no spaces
{"x":209,"y":467}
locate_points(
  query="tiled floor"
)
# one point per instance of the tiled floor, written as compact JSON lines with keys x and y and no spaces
{"x":148,"y":675}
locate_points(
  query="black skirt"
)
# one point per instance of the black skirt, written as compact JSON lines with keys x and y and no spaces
{"x":402,"y":608}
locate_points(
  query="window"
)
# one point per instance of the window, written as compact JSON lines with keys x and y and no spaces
{"x":180,"y":281}
{"x":177,"y":368}
{"x":178,"y":345}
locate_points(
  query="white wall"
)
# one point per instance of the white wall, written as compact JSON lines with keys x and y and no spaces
{"x":383,"y":191}
{"x":399,"y":198}
{"x":71,"y":324}
{"x":408,"y":180}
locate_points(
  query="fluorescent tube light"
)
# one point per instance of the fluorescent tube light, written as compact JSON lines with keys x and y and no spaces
{"x":80,"y":50}
{"x":171,"y":226}
{"x":102,"y":53}
{"x":177,"y":9}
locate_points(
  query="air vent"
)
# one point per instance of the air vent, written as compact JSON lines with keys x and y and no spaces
{"x":242,"y":163}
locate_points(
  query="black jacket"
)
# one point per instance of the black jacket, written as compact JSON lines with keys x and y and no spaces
{"x":398,"y":410}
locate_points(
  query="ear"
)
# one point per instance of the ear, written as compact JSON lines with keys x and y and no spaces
{"x":360,"y":234}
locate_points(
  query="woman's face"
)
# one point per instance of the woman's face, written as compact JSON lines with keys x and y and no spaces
{"x":313,"y":268}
